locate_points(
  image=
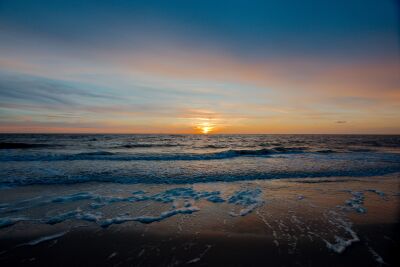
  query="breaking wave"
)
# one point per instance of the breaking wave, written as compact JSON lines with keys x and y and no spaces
{"x":106,"y":155}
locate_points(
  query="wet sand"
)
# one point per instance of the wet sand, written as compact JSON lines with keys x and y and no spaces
{"x":292,"y":222}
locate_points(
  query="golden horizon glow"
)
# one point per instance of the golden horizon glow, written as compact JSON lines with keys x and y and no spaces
{"x":206,"y":127}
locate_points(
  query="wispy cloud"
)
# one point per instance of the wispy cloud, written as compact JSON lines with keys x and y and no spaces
{"x":42,"y":90}
{"x":132,"y":68}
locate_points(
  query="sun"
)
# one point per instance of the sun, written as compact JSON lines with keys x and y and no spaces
{"x":205,"y":127}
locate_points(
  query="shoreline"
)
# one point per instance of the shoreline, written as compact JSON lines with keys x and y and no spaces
{"x":284,"y":222}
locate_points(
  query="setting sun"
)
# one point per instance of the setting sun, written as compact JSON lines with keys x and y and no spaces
{"x":205,"y":127}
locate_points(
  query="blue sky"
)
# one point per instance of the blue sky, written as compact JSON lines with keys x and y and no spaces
{"x":175,"y":66}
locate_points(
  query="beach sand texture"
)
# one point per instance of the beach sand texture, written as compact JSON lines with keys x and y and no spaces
{"x":343,"y":221}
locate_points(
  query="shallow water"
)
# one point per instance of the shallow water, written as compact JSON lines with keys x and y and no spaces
{"x":339,"y":219}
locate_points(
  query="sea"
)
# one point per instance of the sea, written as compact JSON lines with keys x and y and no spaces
{"x":41,"y":159}
{"x":161,"y":200}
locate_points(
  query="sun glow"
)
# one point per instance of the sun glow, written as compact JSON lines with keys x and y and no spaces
{"x":205,"y":127}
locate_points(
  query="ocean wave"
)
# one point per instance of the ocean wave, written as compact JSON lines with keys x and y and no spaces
{"x":326,"y":151}
{"x":213,"y":146}
{"x":106,"y":155}
{"x":194,"y":179}
{"x":96,"y":153}
{"x":168,"y":156}
{"x":360,"y":150}
{"x":145,"y":145}
{"x":6,"y":145}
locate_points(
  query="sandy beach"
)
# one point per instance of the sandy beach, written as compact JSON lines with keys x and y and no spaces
{"x":342,"y":221}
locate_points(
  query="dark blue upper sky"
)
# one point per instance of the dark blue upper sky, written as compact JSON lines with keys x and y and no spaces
{"x":312,"y":27}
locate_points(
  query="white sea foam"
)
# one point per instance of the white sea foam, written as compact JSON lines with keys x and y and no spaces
{"x":197,"y":259}
{"x":77,"y":214}
{"x":62,"y":216}
{"x":186,"y":193}
{"x":87,"y":216}
{"x":250,"y":198}
{"x":167,"y":214}
{"x":378,"y":192}
{"x":174,"y":195}
{"x":103,"y":200}
{"x":44,"y":239}
{"x":341,"y":242}
{"x":171,"y":195}
{"x":112,"y":255}
{"x":355,"y":203}
{"x":376,"y":256}
{"x":149,"y":219}
{"x":73,"y":197}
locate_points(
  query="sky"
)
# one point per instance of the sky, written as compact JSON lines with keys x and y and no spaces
{"x":189,"y":66}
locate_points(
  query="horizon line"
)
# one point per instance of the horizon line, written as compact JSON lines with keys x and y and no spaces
{"x":85,"y":133}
